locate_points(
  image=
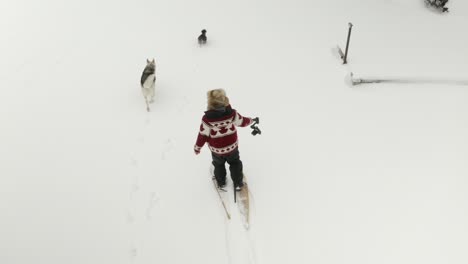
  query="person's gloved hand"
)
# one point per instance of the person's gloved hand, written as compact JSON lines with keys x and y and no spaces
{"x":196,"y":150}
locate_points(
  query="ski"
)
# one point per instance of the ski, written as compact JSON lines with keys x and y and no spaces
{"x":241,"y":198}
{"x":218,"y":191}
{"x":243,"y":203}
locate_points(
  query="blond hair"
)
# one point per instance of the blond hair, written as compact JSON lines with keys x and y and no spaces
{"x":217,"y":98}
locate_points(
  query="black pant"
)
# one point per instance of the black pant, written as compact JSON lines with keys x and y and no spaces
{"x":235,"y":167}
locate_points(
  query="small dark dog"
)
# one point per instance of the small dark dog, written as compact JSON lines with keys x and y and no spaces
{"x":202,"y":38}
{"x":439,"y":4}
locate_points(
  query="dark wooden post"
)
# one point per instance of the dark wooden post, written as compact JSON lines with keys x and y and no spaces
{"x":347,"y":43}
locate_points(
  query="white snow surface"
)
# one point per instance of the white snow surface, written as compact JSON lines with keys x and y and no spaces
{"x":368,"y":174}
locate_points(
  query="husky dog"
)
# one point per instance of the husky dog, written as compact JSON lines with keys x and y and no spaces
{"x":202,"y":37}
{"x":148,"y":79}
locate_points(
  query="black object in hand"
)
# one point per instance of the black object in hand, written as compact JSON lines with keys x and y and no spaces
{"x":256,"y":130}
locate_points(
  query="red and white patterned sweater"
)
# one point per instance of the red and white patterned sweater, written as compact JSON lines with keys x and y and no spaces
{"x":218,"y":129}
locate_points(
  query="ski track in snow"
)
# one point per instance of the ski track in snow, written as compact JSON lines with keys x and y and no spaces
{"x":252,"y":252}
{"x":153,"y":201}
{"x":226,"y":239}
{"x":131,"y":216}
{"x":131,"y":211}
{"x":139,"y":148}
{"x":133,"y":254}
{"x":168,"y":147}
{"x":240,"y":245}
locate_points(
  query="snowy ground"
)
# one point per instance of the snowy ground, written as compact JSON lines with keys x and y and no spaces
{"x":366,"y":174}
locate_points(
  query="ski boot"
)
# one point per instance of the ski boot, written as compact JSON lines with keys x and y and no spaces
{"x":238,"y":186}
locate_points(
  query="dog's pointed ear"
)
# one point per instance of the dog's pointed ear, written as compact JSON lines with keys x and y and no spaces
{"x":148,"y":61}
{"x":152,"y":61}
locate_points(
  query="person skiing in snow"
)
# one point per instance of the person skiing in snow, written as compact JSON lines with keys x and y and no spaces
{"x":218,"y":130}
